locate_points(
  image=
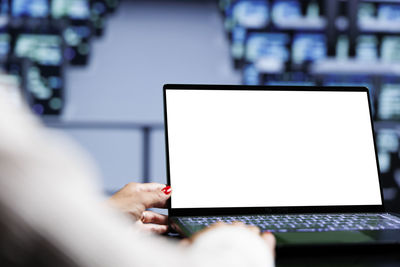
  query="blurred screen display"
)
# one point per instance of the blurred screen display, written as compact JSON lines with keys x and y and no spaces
{"x":367,"y":47}
{"x":238,"y":39}
{"x":251,"y":75}
{"x":387,"y":141}
{"x":389,"y":12}
{"x":99,"y":7}
{"x":313,"y":10}
{"x":46,"y":89}
{"x":4,"y":45}
{"x":366,"y":12}
{"x":77,"y":39}
{"x":308,"y":47}
{"x":251,"y":14}
{"x":74,"y":9}
{"x":112,"y":5}
{"x":290,"y":78}
{"x":98,"y":15}
{"x":4,"y":7}
{"x":228,"y":20}
{"x":390,"y":49}
{"x":389,"y":102}
{"x":30,"y":8}
{"x":269,"y":45}
{"x":286,"y":9}
{"x":290,"y":83}
{"x":342,"y":47}
{"x":43,"y":49}
{"x":351,"y":80}
{"x":37,"y":84}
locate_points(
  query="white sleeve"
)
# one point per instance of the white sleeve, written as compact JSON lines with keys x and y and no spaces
{"x":51,"y":185}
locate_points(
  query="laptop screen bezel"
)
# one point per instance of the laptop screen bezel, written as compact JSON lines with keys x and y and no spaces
{"x":270,"y":210}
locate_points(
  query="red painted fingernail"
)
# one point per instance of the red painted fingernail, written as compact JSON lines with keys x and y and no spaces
{"x":166,"y":190}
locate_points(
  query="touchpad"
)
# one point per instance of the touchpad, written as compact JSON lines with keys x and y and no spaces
{"x":339,"y":237}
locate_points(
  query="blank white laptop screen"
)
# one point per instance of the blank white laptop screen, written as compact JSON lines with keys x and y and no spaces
{"x":251,"y":148}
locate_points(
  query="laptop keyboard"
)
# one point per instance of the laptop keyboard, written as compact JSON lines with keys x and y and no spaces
{"x":303,"y":222}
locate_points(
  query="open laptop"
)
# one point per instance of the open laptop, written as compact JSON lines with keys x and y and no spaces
{"x":297,"y":161}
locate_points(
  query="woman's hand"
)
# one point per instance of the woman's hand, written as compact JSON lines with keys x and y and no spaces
{"x":268,"y":237}
{"x":135,"y":198}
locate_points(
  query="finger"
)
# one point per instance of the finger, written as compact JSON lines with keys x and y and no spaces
{"x":217,"y":224}
{"x":155,"y":199}
{"x":151,"y":187}
{"x":155,"y":228}
{"x":153,"y":217}
{"x":185,"y":242}
{"x":254,"y":229}
{"x":238,"y":223}
{"x":270,"y":240}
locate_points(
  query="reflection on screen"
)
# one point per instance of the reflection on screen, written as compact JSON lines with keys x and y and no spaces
{"x":308,"y":47}
{"x":29,"y":8}
{"x":74,"y":9}
{"x":44,"y":49}
{"x":270,"y":148}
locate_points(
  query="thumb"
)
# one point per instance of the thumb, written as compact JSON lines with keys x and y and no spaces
{"x":157,"y":198}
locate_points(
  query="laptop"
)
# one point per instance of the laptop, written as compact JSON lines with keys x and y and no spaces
{"x":299,"y":162}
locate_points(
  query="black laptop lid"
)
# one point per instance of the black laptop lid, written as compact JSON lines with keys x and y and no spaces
{"x":245,"y":149}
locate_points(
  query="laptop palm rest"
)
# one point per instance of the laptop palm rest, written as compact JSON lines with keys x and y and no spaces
{"x":336,"y":237}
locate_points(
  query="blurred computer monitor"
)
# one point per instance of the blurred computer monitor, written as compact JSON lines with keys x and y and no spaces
{"x":30,"y":8}
{"x":44,"y":49}
{"x":308,"y":47}
{"x":389,"y":102}
{"x":44,"y":78}
{"x":251,"y":14}
{"x":267,"y":45}
{"x":71,"y":9}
